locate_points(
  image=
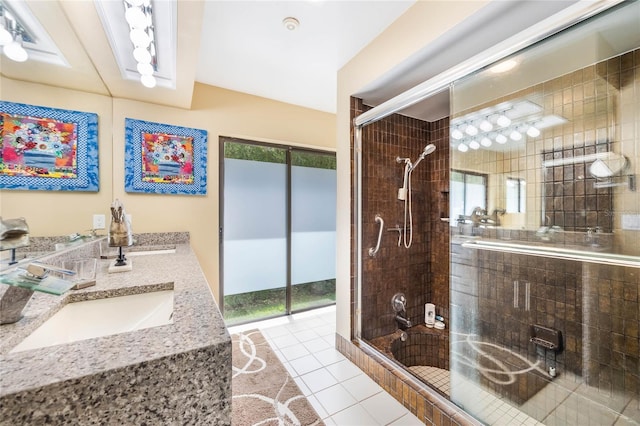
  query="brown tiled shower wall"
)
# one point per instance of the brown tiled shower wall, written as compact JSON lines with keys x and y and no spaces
{"x":421,"y":271}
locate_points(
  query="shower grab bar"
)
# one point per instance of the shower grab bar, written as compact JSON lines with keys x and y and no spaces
{"x":374,"y":250}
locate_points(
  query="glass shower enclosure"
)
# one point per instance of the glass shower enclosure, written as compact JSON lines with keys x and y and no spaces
{"x":545,"y":294}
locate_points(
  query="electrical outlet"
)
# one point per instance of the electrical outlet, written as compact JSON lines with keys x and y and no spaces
{"x":99,"y":221}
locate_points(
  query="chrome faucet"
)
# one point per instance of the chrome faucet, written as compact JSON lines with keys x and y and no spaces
{"x":403,"y":323}
{"x":16,"y":297}
{"x":399,"y":304}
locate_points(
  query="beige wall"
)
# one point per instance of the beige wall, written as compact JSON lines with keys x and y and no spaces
{"x":221,"y":112}
{"x":423,"y":23}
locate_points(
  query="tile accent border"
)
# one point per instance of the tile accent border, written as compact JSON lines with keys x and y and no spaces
{"x":426,"y":404}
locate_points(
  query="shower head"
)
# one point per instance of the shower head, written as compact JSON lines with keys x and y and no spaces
{"x":427,"y":150}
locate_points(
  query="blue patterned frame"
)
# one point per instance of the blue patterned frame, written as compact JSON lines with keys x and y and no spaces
{"x":86,"y":150}
{"x":133,"y":181}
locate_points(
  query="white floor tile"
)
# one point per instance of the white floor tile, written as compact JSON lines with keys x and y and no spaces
{"x":334,"y":399}
{"x":294,"y":352}
{"x":344,"y":370}
{"x":318,"y":380}
{"x":384,"y":408}
{"x":306,"y":335}
{"x":318,"y":407}
{"x":407,"y":420}
{"x":361,"y":387}
{"x":285,"y":340}
{"x":353,"y":416}
{"x":317,"y":345}
{"x":329,"y":356}
{"x":305,"y":364}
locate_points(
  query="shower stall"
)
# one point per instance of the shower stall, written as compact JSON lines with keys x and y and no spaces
{"x":520,"y":226}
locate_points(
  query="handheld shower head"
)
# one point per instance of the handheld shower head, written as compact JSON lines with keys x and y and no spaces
{"x":427,"y":150}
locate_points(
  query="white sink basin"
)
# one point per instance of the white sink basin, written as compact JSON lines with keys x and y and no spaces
{"x":102,"y":317}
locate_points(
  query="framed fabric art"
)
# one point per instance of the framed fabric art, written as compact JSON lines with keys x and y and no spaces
{"x":48,"y":149}
{"x":165,"y":159}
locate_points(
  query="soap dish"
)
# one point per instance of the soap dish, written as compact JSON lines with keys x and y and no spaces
{"x":439,"y":325}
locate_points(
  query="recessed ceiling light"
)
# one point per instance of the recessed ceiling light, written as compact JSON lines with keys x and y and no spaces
{"x":291,"y":23}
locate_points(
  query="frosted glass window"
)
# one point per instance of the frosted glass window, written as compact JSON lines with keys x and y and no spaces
{"x":255,"y":255}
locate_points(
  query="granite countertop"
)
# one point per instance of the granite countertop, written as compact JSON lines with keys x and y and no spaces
{"x":197,"y":323}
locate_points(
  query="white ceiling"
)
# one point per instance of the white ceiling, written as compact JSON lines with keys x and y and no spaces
{"x":245,"y":47}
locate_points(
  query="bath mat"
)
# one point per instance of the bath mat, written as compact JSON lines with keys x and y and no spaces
{"x":263,"y":391}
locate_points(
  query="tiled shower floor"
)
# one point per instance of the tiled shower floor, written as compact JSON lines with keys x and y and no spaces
{"x":562,"y":402}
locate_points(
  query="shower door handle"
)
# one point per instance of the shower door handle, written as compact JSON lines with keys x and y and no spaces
{"x":374,"y":250}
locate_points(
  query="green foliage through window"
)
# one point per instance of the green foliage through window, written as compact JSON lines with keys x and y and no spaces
{"x":268,"y":154}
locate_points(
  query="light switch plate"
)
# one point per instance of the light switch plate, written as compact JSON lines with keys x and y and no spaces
{"x":99,"y":221}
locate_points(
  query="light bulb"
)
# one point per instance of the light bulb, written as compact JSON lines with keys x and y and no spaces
{"x":471,"y":130}
{"x":15,"y":51}
{"x":135,"y":17}
{"x":533,"y":132}
{"x":515,"y":135}
{"x":145,"y":69}
{"x":456,"y":134}
{"x":501,"y":139}
{"x":503,"y":121}
{"x":463,"y":148}
{"x":474,"y":145}
{"x":486,"y":126}
{"x":485,"y":142}
{"x":142,"y":55}
{"x":139,"y":38}
{"x":148,"y":81}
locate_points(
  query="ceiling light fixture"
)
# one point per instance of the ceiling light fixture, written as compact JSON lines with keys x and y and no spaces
{"x":12,"y":36}
{"x":139,"y":17}
{"x":291,"y":23}
{"x":463,"y":148}
{"x":474,"y":144}
{"x":501,"y":139}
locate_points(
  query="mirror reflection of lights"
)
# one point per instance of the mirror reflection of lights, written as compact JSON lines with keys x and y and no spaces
{"x":486,"y":126}
{"x":471,"y":130}
{"x":463,"y":148}
{"x":533,"y":132}
{"x":486,"y":142}
{"x":474,"y":145}
{"x":514,"y":119}
{"x":503,"y":121}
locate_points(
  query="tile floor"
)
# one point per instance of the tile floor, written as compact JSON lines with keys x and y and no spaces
{"x":343,"y":395}
{"x":338,"y":390}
